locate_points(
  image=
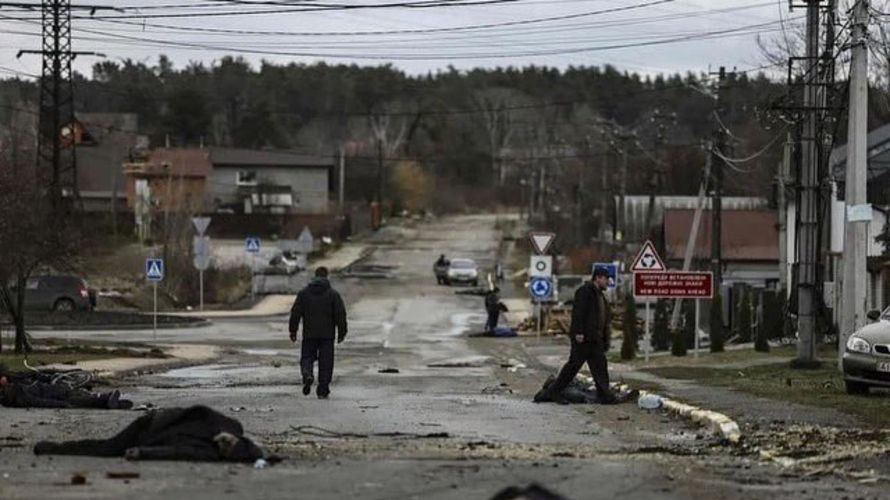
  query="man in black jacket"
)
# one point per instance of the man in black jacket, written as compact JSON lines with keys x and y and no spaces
{"x":322,"y":312}
{"x":590,"y":338}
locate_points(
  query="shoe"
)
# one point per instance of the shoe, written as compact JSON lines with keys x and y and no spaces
{"x":307,"y":386}
{"x":323,"y":396}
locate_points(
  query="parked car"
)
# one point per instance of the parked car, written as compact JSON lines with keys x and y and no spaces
{"x":58,"y":293}
{"x":866,"y":357}
{"x":462,"y":271}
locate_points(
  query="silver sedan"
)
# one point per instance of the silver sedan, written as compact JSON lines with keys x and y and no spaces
{"x":867,"y":355}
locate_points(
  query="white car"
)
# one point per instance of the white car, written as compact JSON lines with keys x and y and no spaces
{"x":462,"y":271}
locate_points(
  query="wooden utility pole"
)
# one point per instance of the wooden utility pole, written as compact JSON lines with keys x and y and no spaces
{"x":717,"y":222}
{"x":858,"y":212}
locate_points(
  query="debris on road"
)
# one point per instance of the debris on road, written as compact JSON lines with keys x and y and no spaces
{"x":650,"y":402}
{"x":321,"y":432}
{"x":78,"y":479}
{"x":122,"y":475}
{"x":532,"y":492}
{"x":580,"y":393}
{"x":388,"y":370}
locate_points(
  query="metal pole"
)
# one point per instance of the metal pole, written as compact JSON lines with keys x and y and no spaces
{"x":689,"y":253}
{"x":342,"y":178}
{"x":647,"y":341}
{"x":856,"y":233}
{"x":201,"y":285}
{"x":538,"y":305}
{"x":808,"y":224}
{"x":154,"y":322}
{"x":695,"y":326}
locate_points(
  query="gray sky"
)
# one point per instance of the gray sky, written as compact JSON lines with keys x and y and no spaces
{"x":591,"y":37}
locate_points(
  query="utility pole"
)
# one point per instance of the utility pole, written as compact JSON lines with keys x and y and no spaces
{"x":858,"y":212}
{"x":808,"y":209}
{"x":717,"y":221}
{"x":57,"y":133}
{"x":781,"y":184}
{"x":341,"y":180}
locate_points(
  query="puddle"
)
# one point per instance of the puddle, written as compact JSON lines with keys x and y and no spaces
{"x":268,"y":352}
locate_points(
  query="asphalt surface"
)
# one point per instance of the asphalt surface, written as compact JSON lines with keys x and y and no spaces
{"x":474,"y":394}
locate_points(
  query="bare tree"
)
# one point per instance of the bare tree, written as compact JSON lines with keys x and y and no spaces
{"x":498,"y":119}
{"x":32,"y":234}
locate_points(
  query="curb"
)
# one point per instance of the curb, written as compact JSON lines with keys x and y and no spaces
{"x":129,"y":327}
{"x":717,"y":424}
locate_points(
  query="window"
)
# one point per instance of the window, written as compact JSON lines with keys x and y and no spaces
{"x":246,"y":178}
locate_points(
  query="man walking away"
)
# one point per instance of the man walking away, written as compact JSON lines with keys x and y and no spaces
{"x":590,"y":339}
{"x":321,"y":310}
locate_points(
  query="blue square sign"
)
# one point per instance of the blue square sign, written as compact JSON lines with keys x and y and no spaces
{"x":154,"y":269}
{"x":252,"y":244}
{"x":612,"y":269}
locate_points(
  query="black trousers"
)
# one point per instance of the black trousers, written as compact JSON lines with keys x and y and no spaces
{"x":492,"y":322}
{"x":594,"y":355}
{"x":321,"y":350}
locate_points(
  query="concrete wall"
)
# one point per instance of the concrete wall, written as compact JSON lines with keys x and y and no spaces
{"x":309,"y":185}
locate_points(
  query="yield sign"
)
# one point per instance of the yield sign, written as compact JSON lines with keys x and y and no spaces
{"x":201,"y":224}
{"x":647,"y":260}
{"x":541,"y":241}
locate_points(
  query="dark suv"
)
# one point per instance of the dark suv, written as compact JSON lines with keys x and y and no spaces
{"x":58,"y":293}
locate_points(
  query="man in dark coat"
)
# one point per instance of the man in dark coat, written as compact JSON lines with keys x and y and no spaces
{"x":323,"y":314}
{"x":195,"y":433}
{"x":493,"y":308}
{"x":589,"y":334}
{"x":27,"y":392}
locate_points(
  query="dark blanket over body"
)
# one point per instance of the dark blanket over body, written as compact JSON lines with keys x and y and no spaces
{"x":194,"y":433}
{"x":578,"y":393}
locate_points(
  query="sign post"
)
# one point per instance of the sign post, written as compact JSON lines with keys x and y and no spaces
{"x":695,"y":329}
{"x":541,"y":289}
{"x":540,"y":273}
{"x":201,"y":247}
{"x":154,"y":272}
{"x":252,"y":245}
{"x":647,"y":261}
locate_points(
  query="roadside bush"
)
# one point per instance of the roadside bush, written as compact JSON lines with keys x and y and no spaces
{"x":717,"y":332}
{"x":661,"y":335}
{"x":631,"y":330}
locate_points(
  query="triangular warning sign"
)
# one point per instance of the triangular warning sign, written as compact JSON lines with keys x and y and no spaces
{"x":541,"y":241}
{"x":648,"y":260}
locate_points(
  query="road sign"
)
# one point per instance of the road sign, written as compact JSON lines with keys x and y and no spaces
{"x":201,"y":251}
{"x":540,"y":288}
{"x":647,"y":260}
{"x":306,"y":242}
{"x":252,"y":244}
{"x":541,"y":241}
{"x":540,"y":266}
{"x":612,"y":269}
{"x":154,"y":269}
{"x":201,"y":224}
{"x":674,"y":285}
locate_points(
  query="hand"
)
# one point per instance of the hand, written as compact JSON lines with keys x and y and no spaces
{"x":341,"y":338}
{"x":293,"y":336}
{"x":579,"y":339}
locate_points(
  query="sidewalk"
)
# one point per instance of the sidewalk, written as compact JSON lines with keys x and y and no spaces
{"x":180,"y":354}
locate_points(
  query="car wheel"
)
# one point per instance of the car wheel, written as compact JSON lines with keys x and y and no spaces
{"x":856,"y":388}
{"x":63,"y":305}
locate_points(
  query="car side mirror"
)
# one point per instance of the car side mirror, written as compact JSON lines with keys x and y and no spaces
{"x":874,"y":315}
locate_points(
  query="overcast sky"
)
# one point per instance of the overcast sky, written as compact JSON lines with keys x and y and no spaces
{"x":714,"y":32}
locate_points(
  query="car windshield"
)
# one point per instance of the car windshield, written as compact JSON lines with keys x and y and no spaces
{"x":463,"y":264}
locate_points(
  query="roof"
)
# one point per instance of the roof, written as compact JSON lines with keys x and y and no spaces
{"x":231,"y":157}
{"x":878,"y":144}
{"x":748,"y":235}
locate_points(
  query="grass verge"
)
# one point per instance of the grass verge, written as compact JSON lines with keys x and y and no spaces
{"x":823,"y":388}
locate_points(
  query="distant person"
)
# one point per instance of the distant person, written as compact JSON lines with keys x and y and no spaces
{"x":493,"y":309}
{"x":589,"y":334}
{"x":499,"y":272}
{"x":440,"y":268}
{"x":442,"y":261}
{"x":323,"y":314}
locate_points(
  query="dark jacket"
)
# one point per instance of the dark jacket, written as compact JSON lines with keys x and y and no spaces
{"x":588,"y":319}
{"x":194,"y":433}
{"x":321,"y":310}
{"x":492,"y":302}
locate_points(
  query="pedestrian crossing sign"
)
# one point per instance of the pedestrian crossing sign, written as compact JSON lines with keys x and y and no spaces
{"x":154,"y":269}
{"x":252,"y":244}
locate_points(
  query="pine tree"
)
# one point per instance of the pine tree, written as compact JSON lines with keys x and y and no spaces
{"x":629,"y":342}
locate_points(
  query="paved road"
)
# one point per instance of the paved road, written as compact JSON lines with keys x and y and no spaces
{"x":496,"y":436}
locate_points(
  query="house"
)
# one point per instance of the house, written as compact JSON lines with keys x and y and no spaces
{"x":168,"y":179}
{"x":104,"y":141}
{"x":636,"y":210}
{"x":265,"y":181}
{"x":749,"y":244}
{"x":878,"y":157}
